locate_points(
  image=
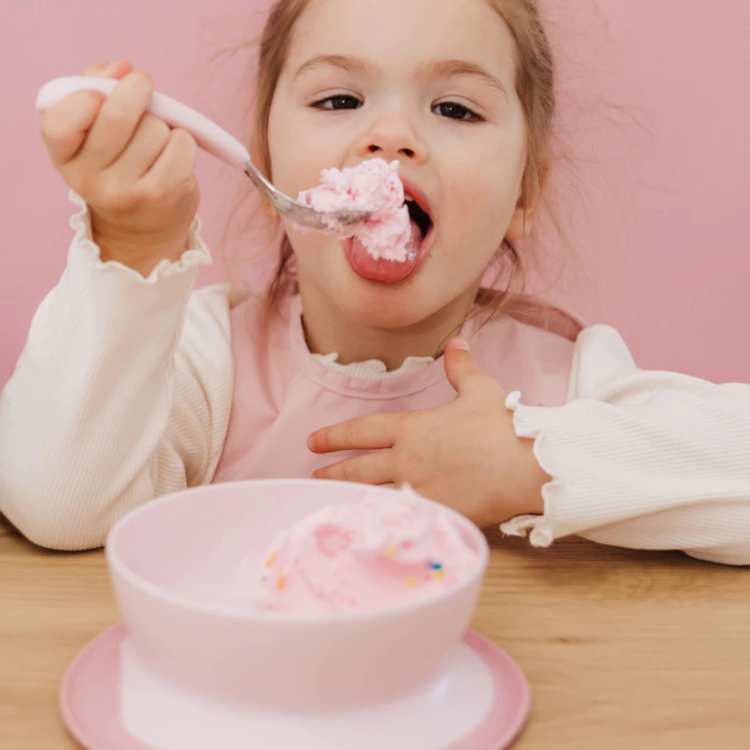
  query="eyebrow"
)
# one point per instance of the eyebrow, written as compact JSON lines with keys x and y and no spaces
{"x":337,"y":61}
{"x":437,"y":69}
{"x":451,"y":68}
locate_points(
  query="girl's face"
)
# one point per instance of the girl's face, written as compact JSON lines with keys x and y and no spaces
{"x":430,"y":83}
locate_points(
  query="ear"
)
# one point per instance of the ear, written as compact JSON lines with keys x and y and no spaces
{"x":523,"y":217}
{"x":520,"y":223}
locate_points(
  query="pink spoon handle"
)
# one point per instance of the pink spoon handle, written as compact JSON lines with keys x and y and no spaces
{"x":208,"y":135}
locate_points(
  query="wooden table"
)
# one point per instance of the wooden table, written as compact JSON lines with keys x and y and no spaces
{"x":624,"y":650}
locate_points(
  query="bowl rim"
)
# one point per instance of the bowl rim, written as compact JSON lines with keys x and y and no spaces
{"x":118,"y":566}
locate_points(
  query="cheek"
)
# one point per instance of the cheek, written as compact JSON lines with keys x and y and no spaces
{"x":317,"y":253}
{"x":478,"y":222}
{"x":478,"y":207}
{"x":276,"y":136}
{"x":291,"y":166}
{"x":304,"y":243}
{"x":467,"y":195}
{"x":484,"y":180}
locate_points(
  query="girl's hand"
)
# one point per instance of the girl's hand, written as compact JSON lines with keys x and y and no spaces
{"x":465,"y":454}
{"x":133,"y":171}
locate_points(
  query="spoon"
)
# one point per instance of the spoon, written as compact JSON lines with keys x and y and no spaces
{"x":212,"y":139}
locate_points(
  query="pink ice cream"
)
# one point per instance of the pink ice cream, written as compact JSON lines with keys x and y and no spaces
{"x":367,"y":555}
{"x":373,"y":185}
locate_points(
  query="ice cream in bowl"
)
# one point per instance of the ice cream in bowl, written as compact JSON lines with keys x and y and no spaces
{"x":251,"y":600}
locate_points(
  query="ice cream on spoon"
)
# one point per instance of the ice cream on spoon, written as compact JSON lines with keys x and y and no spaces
{"x":397,"y":224}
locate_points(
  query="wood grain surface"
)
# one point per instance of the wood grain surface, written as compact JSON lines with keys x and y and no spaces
{"x":624,"y":650}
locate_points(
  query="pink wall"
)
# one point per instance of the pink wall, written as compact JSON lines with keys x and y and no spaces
{"x":669,"y":258}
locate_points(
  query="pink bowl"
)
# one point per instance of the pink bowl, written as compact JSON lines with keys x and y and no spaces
{"x":182,"y":568}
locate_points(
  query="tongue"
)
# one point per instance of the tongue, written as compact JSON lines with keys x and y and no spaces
{"x":386,"y":271}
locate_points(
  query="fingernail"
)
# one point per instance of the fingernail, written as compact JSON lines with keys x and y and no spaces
{"x":461,"y":343}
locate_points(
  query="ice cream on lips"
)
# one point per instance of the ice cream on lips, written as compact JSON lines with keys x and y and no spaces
{"x":374,"y":186}
{"x":366,"y":555}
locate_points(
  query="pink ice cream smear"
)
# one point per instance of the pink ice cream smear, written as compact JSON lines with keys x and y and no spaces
{"x":367,"y":555}
{"x":373,"y":185}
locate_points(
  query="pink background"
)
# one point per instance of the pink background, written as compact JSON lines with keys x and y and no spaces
{"x":666,"y":250}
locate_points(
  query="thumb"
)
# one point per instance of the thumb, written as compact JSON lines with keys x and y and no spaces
{"x":461,"y":368}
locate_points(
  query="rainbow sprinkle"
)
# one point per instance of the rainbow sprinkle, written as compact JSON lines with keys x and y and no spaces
{"x":391,"y":553}
{"x":436,"y":566}
{"x":411,"y":582}
{"x":271,"y":558}
{"x":438,"y":573}
{"x":281,"y":582}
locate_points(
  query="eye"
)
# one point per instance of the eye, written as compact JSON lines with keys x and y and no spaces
{"x":340,"y":101}
{"x":455,"y":111}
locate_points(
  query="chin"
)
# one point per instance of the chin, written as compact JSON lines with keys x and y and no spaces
{"x":386,"y":306}
{"x":372,"y":303}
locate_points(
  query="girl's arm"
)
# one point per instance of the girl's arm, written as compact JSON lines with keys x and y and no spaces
{"x":122,"y":393}
{"x":639,"y":459}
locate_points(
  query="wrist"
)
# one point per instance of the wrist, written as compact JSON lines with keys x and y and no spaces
{"x":522,"y":491}
{"x":143,"y":256}
{"x":531,"y":498}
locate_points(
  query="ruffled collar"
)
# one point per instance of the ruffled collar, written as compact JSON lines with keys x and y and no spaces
{"x":374,"y":369}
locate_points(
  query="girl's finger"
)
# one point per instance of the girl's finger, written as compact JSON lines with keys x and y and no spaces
{"x":65,"y":126}
{"x":117,"y":120}
{"x":363,"y":433}
{"x":374,"y":468}
{"x":176,"y":163}
{"x":148,"y":143}
{"x":115,"y":69}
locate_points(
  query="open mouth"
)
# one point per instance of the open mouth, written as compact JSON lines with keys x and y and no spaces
{"x":419,"y":216}
{"x":389,"y":271}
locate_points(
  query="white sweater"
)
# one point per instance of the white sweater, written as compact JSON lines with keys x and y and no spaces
{"x":124,"y":389}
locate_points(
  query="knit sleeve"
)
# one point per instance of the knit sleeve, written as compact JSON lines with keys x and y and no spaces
{"x":122,"y":393}
{"x":641,"y":459}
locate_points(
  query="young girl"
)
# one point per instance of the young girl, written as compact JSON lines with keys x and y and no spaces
{"x":131,"y":385}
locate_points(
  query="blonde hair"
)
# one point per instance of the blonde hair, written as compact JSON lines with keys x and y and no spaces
{"x":536,"y":89}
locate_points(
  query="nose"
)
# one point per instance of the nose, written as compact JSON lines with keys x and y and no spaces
{"x":392,"y":136}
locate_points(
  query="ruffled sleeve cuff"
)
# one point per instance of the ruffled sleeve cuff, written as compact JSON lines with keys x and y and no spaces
{"x":665,"y":469}
{"x":594,"y":486}
{"x":197,"y":252}
{"x":542,"y":534}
